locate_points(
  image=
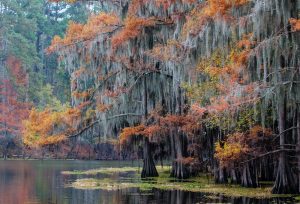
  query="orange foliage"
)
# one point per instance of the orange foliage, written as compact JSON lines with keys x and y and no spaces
{"x":152,"y":130}
{"x":69,"y":1}
{"x":164,"y":3}
{"x":246,"y":42}
{"x":186,"y":160}
{"x":166,"y":52}
{"x":132,"y":28}
{"x":189,"y":1}
{"x":218,"y":105}
{"x":129,"y":132}
{"x":12,"y":110}
{"x":195,"y":21}
{"x":78,"y":95}
{"x":240,"y":57}
{"x":15,"y":67}
{"x":258,"y":133}
{"x":185,"y":123}
{"x":198,"y":110}
{"x":84,"y":95}
{"x":96,"y":25}
{"x":83,"y":105}
{"x":225,"y":76}
{"x":295,"y":23}
{"x":203,"y":13}
{"x":232,"y":150}
{"x":173,"y":120}
{"x":221,"y":7}
{"x":134,"y":6}
{"x":104,"y":107}
{"x":79,"y":72}
{"x":227,"y":69}
{"x":116,"y":93}
{"x":99,"y":24}
{"x":141,"y":130}
{"x":48,"y":127}
{"x":239,"y":146}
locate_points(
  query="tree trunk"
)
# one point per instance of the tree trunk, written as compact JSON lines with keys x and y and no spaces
{"x":235,"y":178}
{"x":284,"y":182}
{"x":5,"y":151}
{"x":179,"y":169}
{"x":249,"y":178}
{"x":5,"y":155}
{"x":161,"y":162}
{"x":220,"y":175}
{"x":298,"y":145}
{"x":149,"y":168}
{"x":266,"y":172}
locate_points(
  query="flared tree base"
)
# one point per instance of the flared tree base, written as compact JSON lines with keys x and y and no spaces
{"x":249,"y":178}
{"x":284,"y":183}
{"x":179,"y":171}
{"x":220,"y":176}
{"x":149,"y":169}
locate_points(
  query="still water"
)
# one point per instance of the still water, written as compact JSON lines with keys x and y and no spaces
{"x":41,"y":182}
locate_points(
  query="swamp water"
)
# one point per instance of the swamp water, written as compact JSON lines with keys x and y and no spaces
{"x":61,"y":182}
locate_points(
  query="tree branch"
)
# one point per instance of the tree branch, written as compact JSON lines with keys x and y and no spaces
{"x":98,"y":121}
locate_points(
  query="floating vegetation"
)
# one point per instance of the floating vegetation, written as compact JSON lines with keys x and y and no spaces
{"x":104,"y":184}
{"x":202,"y":183}
{"x":227,"y":190}
{"x":108,"y":170}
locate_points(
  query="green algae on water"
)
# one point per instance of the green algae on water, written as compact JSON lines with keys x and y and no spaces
{"x":108,"y":170}
{"x":202,"y":183}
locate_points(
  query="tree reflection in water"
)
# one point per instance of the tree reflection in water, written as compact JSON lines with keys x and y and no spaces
{"x":16,"y":183}
{"x":41,"y":182}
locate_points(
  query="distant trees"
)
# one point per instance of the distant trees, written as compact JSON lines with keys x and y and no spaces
{"x":14,"y":107}
{"x":28,"y":75}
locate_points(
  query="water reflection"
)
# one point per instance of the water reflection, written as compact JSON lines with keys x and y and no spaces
{"x":41,"y":182}
{"x":16,"y":185}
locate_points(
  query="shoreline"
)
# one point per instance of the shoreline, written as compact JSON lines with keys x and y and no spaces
{"x":201,"y":183}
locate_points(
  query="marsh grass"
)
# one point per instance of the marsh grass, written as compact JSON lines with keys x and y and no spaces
{"x":202,"y":183}
{"x":108,"y":170}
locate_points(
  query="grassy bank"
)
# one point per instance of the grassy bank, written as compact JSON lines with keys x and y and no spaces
{"x":202,"y":183}
{"x":102,"y":171}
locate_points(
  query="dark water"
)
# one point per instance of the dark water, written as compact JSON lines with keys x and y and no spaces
{"x":41,"y":182}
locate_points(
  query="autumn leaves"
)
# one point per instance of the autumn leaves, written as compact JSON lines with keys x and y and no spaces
{"x":103,"y":23}
{"x":50,"y":127}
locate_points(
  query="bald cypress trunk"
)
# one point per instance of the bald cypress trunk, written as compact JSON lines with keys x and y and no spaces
{"x":284,"y":182}
{"x":5,"y":152}
{"x":235,"y":177}
{"x":149,"y":169}
{"x":179,"y":144}
{"x":220,"y":175}
{"x":249,"y":178}
{"x":179,"y":169}
{"x":266,"y":172}
{"x":298,"y":145}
